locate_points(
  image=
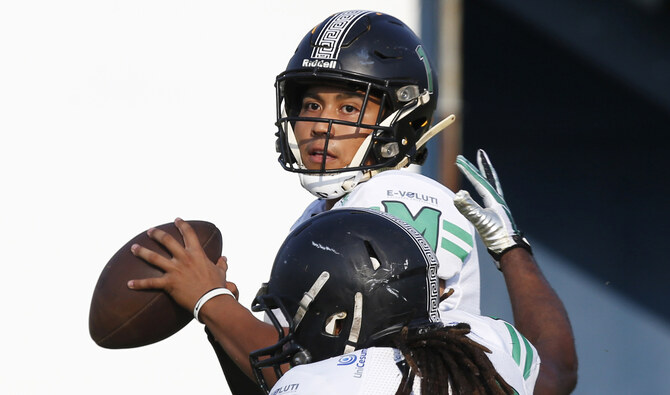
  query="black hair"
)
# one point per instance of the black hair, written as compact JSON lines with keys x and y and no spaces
{"x":445,"y":358}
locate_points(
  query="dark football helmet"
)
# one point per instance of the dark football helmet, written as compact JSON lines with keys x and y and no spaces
{"x":376,"y":55}
{"x":343,"y":280}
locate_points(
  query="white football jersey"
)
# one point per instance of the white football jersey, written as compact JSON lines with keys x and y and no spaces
{"x":428,"y":206}
{"x":513,"y":356}
{"x":376,"y":370}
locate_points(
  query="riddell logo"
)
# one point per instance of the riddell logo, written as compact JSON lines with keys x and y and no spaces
{"x":327,"y":64}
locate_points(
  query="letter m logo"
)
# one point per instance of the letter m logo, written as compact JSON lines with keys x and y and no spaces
{"x":426,"y":221}
{"x":455,"y":240}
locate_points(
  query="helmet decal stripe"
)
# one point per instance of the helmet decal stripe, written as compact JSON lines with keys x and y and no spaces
{"x":309,"y":296}
{"x":429,"y":72}
{"x":327,"y":45}
{"x":355,"y":324}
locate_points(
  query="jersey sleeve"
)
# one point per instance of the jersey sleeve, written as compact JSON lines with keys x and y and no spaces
{"x":512,"y":355}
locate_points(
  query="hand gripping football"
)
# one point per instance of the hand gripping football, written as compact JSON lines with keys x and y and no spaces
{"x":123,"y":318}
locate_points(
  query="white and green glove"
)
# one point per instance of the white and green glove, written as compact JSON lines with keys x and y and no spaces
{"x":494,"y":223}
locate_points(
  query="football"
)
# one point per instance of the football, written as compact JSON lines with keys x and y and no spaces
{"x":123,"y":318}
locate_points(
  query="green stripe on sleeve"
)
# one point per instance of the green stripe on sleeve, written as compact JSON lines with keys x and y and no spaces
{"x":458,"y":232}
{"x":454,"y":249}
{"x":529,"y":358}
{"x":516,"y":346}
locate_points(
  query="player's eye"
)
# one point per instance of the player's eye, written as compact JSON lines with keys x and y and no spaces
{"x":312,"y":106}
{"x":349,"y":109}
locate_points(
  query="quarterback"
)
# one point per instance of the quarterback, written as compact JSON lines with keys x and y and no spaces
{"x":365,"y":311}
{"x":349,"y":127}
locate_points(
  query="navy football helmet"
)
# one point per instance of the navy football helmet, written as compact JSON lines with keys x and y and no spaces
{"x":344,"y":280}
{"x":374,"y":54}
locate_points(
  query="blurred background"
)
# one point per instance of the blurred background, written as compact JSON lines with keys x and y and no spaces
{"x":571,"y":100}
{"x":118,"y":116}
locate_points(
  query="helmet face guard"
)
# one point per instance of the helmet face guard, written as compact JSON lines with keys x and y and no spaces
{"x":285,"y":350}
{"x":378,"y":56}
{"x":346,"y":279}
{"x":382,"y":144}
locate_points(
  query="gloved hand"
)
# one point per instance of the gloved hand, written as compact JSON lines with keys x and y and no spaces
{"x":494,"y":222}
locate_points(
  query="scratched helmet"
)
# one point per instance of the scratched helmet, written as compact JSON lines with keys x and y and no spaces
{"x":344,"y":280}
{"x":378,"y":56}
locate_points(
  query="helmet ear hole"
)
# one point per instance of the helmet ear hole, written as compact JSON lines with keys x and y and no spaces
{"x":334,"y":323}
{"x":419,"y":123}
{"x":372,"y":255}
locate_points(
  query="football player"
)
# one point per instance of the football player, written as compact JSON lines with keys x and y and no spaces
{"x":359,"y":290}
{"x":354,"y":107}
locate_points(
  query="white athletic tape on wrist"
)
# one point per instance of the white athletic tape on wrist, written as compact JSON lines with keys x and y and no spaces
{"x":207,"y":296}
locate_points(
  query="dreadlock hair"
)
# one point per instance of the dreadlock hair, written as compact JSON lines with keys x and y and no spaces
{"x":444,"y":358}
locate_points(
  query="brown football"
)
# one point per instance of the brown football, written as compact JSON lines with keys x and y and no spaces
{"x":123,"y":318}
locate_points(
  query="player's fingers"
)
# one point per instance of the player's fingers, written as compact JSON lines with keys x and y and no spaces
{"x":478,"y":181}
{"x":190,"y":237}
{"x":467,"y":206}
{"x":472,"y":174}
{"x":169,"y":242}
{"x":151,"y":257}
{"x":222,"y":263}
{"x":147,"y":283}
{"x":488,"y":171}
{"x":233,"y":287}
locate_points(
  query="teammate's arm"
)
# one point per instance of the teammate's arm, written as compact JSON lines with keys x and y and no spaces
{"x":538,"y":312}
{"x":541,"y":317}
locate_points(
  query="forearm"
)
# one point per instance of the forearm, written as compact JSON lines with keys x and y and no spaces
{"x":538,"y":312}
{"x":541,"y":317}
{"x":237,"y":330}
